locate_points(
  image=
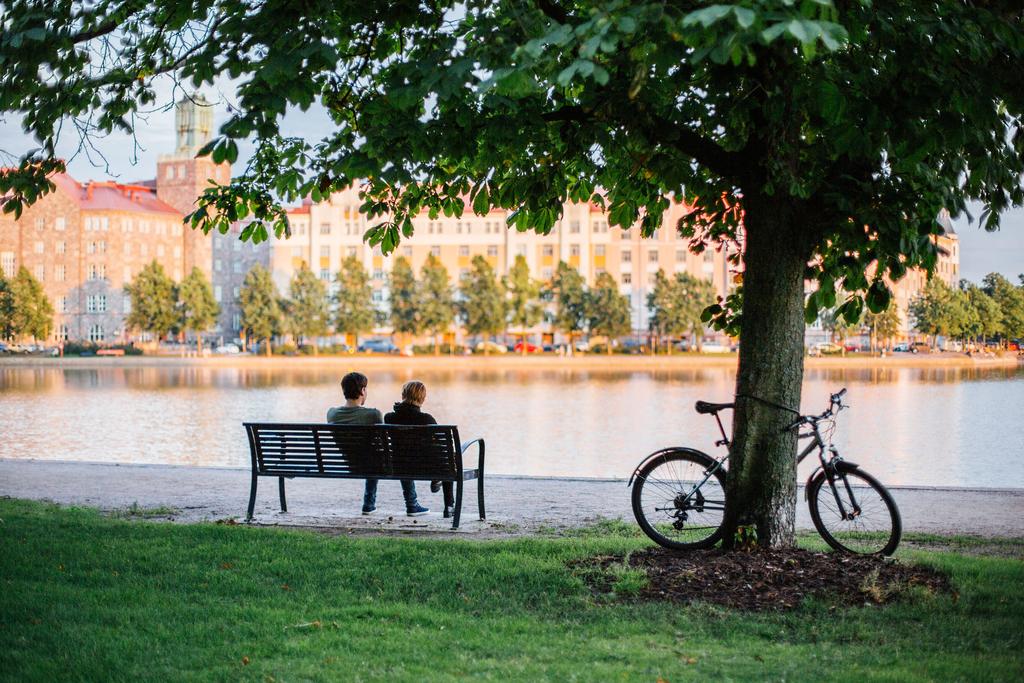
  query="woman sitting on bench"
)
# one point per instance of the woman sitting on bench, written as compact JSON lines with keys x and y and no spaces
{"x":408,"y":412}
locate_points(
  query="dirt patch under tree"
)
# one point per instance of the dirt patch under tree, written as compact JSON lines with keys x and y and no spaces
{"x":762,"y":580}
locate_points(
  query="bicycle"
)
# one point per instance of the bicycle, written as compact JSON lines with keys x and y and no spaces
{"x":679,"y":496}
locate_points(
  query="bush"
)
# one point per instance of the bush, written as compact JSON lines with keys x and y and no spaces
{"x":78,"y":348}
{"x":428,"y":349}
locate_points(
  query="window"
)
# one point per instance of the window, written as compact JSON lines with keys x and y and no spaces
{"x":377,"y":296}
{"x":97,"y":271}
{"x":58,"y":223}
{"x":159,"y":250}
{"x":218,"y":291}
{"x":236,"y":267}
{"x":126,"y":304}
{"x":548,"y":250}
{"x":600,"y":226}
{"x":599,"y":271}
{"x":709,"y":256}
{"x":574,"y":250}
{"x":40,"y":223}
{"x":62,"y":333}
{"x":492,"y":250}
{"x":96,"y":303}
{"x":38,"y":272}
{"x":378,"y":273}
{"x":627,"y":256}
{"x":90,"y":248}
{"x":59,"y":272}
{"x":181,"y":171}
{"x":458,"y":228}
{"x":599,"y":250}
{"x":463,"y":250}
{"x":101,"y":247}
{"x":7,"y":263}
{"x":39,"y":247}
{"x":217,"y":264}
{"x":126,"y":225}
{"x":177,"y":252}
{"x":236,"y":321}
{"x":627,"y":278}
{"x":546,"y":273}
{"x":234,"y":293}
{"x":237,"y":245}
{"x":62,"y":304}
{"x":104,"y":223}
{"x":127,"y":248}
{"x":325,"y":228}
{"x":352,"y":251}
{"x":177,"y":275}
{"x":96,"y":333}
{"x":680,"y":255}
{"x":325,"y":251}
{"x":407,"y":252}
{"x":574,"y":226}
{"x":652,"y":256}
{"x":325,"y":274}
{"x":61,"y":247}
{"x":520,"y":250}
{"x":127,"y":274}
{"x":435,"y":250}
{"x":626,"y":234}
{"x":170,"y":172}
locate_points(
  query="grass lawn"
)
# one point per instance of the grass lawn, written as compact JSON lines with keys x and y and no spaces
{"x":94,"y":598}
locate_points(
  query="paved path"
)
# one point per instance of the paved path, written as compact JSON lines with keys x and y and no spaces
{"x":515,"y":505}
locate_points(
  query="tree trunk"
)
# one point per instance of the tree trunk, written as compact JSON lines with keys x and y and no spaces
{"x":268,"y":347}
{"x":522,"y":344}
{"x":199,"y":345}
{"x":437,"y":345}
{"x":761,"y":484}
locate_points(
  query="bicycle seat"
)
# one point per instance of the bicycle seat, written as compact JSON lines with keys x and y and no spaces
{"x":703,"y":407}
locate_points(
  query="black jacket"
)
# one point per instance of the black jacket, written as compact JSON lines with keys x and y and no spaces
{"x":409,"y":414}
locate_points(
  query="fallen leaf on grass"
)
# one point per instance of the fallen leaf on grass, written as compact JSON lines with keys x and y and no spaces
{"x":230,"y":521}
{"x":245,"y":661}
{"x":226,"y":565}
{"x":691,"y":660}
{"x":285,"y":587}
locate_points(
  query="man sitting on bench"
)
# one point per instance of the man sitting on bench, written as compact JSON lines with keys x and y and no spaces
{"x":354,"y":412}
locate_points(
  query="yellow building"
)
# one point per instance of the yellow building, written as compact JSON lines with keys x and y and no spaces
{"x":325,"y":233}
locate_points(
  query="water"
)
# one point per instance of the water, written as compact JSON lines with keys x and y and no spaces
{"x":909,"y":426}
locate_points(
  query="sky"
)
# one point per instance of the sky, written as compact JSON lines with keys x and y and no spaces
{"x":121,"y":158}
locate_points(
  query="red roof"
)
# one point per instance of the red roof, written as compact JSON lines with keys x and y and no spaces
{"x":111,"y":196}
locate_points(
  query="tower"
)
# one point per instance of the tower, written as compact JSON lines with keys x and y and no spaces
{"x":182,"y":177}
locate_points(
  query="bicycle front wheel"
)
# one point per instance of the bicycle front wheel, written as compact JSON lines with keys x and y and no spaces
{"x":858,"y":516}
{"x":679,"y":500}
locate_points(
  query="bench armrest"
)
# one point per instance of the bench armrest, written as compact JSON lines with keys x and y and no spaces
{"x":480,"y":447}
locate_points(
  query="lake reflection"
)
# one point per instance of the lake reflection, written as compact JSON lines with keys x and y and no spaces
{"x":910,"y":426}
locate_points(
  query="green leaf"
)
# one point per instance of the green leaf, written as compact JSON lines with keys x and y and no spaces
{"x":745,"y":18}
{"x":707,"y":16}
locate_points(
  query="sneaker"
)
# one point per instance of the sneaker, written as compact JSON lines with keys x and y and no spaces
{"x":416,"y":511}
{"x":369,"y":511}
{"x":435,"y":486}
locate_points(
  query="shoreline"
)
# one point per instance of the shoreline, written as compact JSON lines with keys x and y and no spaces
{"x":509,"y":361}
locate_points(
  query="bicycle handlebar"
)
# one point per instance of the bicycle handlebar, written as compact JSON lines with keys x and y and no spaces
{"x":835,"y":401}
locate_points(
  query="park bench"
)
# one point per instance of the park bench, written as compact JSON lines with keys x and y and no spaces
{"x":428,"y":453}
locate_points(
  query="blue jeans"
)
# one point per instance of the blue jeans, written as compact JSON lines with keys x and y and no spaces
{"x":408,"y":492}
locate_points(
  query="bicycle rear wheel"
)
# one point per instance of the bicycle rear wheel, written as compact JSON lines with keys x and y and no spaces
{"x":676,"y":502}
{"x":871,"y":525}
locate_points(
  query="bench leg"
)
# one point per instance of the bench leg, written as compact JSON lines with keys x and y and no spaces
{"x":280,"y":490}
{"x":480,"y":495}
{"x":458,"y":505}
{"x":252,"y":498}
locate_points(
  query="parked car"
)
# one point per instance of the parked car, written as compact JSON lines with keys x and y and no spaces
{"x":491,"y":347}
{"x":920,"y":347}
{"x":581,"y":345}
{"x":227,"y":349}
{"x":714,"y":347}
{"x":530,"y":348}
{"x":902,"y":347}
{"x":378,"y":346}
{"x":828,"y":347}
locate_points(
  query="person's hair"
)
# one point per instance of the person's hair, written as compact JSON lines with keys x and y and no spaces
{"x":414,"y":392}
{"x":353,"y":384}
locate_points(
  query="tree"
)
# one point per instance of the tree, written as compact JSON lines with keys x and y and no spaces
{"x":695,"y":294}
{"x":836,"y":134}
{"x":1010,"y":301}
{"x":405,"y":300}
{"x":307,"y":306}
{"x":6,"y":309}
{"x":154,"y":302}
{"x":524,"y":310}
{"x":196,"y":306}
{"x":354,"y":312}
{"x":986,"y":318}
{"x":940,"y":310}
{"x":32,"y":312}
{"x":609,"y":312}
{"x":666,"y":307}
{"x":568,"y":290}
{"x":260,"y":305}
{"x":883,"y":326}
{"x":483,"y":305}
{"x":436,"y":305}
{"x":838,"y":328}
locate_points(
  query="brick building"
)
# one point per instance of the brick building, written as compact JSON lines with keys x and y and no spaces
{"x":85,"y":241}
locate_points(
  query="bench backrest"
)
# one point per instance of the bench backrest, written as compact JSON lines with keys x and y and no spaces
{"x":375,"y":451}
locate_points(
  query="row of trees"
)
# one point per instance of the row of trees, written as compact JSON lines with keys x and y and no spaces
{"x":970,"y":312}
{"x":483,"y":303}
{"x":163,"y":307}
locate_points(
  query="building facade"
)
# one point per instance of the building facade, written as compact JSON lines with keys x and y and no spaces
{"x":85,"y":241}
{"x":326,"y":233}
